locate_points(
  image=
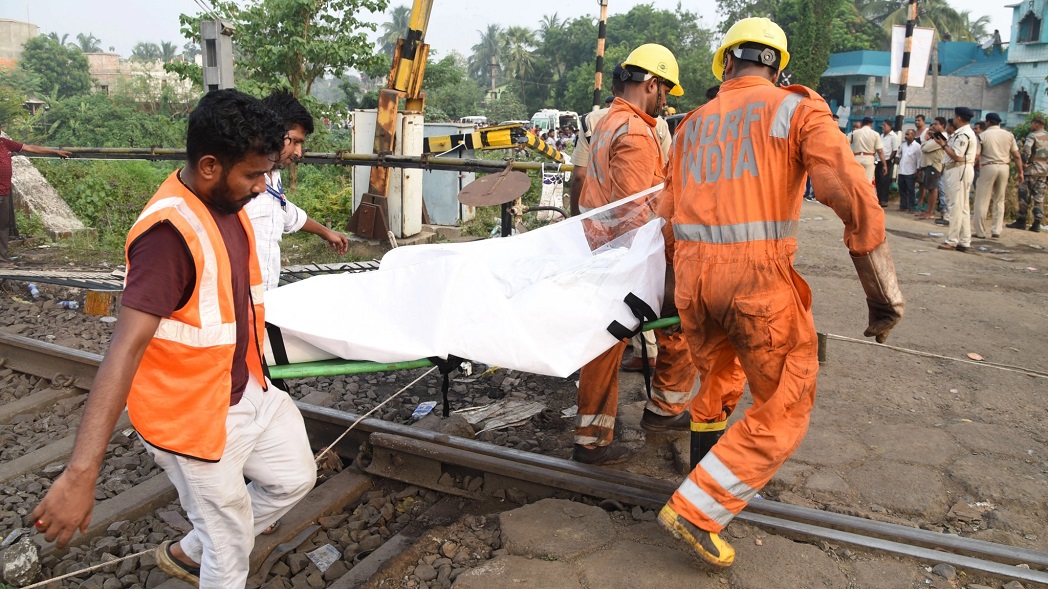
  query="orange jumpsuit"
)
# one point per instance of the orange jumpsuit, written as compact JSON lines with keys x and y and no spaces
{"x":733,"y":197}
{"x":626,"y":159}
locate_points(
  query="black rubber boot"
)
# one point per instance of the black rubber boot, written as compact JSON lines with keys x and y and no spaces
{"x":701,"y":444}
{"x":1018,"y":224}
{"x":1036,"y":225}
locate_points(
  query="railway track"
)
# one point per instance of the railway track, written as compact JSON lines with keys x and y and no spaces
{"x":432,"y":469}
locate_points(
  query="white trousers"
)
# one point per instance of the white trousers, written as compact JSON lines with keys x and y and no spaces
{"x":266,"y":442}
{"x":989,"y":196}
{"x":645,"y":339}
{"x":958,"y":183}
{"x":868,"y":165}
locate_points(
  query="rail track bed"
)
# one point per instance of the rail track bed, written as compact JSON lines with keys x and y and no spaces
{"x":413,"y":507}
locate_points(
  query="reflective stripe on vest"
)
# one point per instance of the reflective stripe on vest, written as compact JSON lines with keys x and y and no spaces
{"x":702,"y":500}
{"x":210,"y":313}
{"x":780,"y":126}
{"x":741,"y":232}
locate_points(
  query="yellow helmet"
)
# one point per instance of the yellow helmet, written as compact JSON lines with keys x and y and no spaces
{"x":658,"y":60}
{"x":755,"y":30}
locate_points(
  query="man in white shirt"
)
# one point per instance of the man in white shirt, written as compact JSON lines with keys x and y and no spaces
{"x":909,"y":161}
{"x":890,"y":143}
{"x":272,"y":214}
{"x":922,"y":129}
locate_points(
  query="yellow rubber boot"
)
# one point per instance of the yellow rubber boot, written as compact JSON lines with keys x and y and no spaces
{"x":707,"y":545}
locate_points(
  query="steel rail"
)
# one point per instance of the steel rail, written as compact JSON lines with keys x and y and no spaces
{"x":652,"y":493}
{"x":49,"y":361}
{"x":42,"y":359}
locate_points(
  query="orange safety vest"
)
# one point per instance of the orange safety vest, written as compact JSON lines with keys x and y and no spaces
{"x":625,"y":159}
{"x":739,"y":168}
{"x":180,"y":394}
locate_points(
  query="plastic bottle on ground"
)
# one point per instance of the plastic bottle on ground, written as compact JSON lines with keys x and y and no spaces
{"x":34,"y":291}
{"x":69,"y":304}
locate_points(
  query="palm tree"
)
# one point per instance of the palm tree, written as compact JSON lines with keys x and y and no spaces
{"x":61,"y":40}
{"x":394,"y":29}
{"x":549,"y":22}
{"x":88,"y":43}
{"x":520,"y":41}
{"x":145,"y":52}
{"x":168,"y":51}
{"x":979,"y":28}
{"x":488,"y":55}
{"x":937,"y":14}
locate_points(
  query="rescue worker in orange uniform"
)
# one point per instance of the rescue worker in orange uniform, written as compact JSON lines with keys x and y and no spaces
{"x":626,"y":159}
{"x":732,"y":200}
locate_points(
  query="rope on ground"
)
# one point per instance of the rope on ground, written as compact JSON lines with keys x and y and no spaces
{"x":88,"y":569}
{"x":320,"y":455}
{"x":997,"y":365}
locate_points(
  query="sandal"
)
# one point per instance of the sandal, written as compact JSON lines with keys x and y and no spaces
{"x":272,"y":528}
{"x":174,"y":567}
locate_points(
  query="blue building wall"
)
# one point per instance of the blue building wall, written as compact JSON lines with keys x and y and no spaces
{"x":1030,"y":57}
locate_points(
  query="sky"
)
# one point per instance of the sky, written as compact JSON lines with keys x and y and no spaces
{"x":454,"y":24}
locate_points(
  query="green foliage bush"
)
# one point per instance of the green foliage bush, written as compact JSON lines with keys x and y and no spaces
{"x":106,"y":195}
{"x":100,"y":121}
{"x":325,"y":192}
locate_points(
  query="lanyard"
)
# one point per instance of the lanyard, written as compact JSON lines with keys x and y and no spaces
{"x":278,"y":194}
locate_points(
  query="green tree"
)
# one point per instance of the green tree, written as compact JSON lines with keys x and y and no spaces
{"x":486,"y":60}
{"x":168,"y":51}
{"x":937,"y":14}
{"x":88,"y":43}
{"x":317,"y":37}
{"x":450,"y":89}
{"x":144,"y":51}
{"x":189,"y":51}
{"x":61,"y":40}
{"x":11,"y":110}
{"x":507,"y":108}
{"x":809,"y":52}
{"x":394,"y":28}
{"x":58,"y":70}
{"x":520,"y":61}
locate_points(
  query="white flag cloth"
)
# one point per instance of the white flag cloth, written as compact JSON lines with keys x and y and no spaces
{"x":537,"y":302}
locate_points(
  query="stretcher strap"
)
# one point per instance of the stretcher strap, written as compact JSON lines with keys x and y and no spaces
{"x":276,"y":341}
{"x":643,"y":312}
{"x":445,"y":367}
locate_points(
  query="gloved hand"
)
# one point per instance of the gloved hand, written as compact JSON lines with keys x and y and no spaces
{"x":877,"y":274}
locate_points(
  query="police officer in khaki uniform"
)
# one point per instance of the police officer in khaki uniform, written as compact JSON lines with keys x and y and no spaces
{"x":998,"y":146}
{"x":866,"y":143}
{"x":1035,"y":155}
{"x":959,"y":150}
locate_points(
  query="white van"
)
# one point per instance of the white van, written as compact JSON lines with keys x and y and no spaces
{"x":548,"y":119}
{"x":476,"y":121}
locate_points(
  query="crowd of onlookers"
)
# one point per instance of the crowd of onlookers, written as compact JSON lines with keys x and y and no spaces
{"x":939,"y":164}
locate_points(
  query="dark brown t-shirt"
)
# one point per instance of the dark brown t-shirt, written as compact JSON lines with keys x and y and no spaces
{"x":161,"y":277}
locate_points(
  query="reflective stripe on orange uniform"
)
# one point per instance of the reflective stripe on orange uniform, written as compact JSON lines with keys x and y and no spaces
{"x":626,"y":159}
{"x":180,"y":394}
{"x":733,"y":196}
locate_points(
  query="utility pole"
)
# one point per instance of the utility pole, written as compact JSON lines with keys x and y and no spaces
{"x":904,"y":76}
{"x":602,"y":30}
{"x":216,"y":44}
